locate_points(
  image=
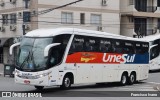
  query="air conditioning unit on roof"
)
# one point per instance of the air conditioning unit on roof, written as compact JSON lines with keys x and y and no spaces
{"x":20,"y":15}
{"x":104,"y":2}
{"x":2,"y":3}
{"x":27,"y":27}
{"x":12,"y":27}
{"x":13,"y":1}
{"x":2,"y":29}
{"x":99,"y":28}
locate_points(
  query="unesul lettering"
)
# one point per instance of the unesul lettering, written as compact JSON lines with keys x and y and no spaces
{"x":124,"y":58}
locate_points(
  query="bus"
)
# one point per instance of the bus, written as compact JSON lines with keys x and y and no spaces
{"x":66,"y":56}
{"x":154,"y":42}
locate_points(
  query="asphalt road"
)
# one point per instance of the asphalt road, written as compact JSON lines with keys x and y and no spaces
{"x":86,"y":90}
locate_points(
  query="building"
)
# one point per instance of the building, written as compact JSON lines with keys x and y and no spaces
{"x":16,"y":15}
{"x":140,"y":17}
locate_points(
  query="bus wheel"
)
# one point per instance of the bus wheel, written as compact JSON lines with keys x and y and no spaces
{"x":124,"y":78}
{"x":132,"y":78}
{"x":66,"y":83}
{"x":39,"y":87}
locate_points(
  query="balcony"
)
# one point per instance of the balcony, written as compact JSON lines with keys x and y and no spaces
{"x":151,"y":9}
{"x":147,"y":9}
{"x":152,"y":31}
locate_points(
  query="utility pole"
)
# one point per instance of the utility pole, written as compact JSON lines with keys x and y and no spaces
{"x":24,"y":15}
{"x":26,"y":3}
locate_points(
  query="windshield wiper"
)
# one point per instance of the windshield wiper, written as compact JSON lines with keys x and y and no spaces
{"x":21,"y":66}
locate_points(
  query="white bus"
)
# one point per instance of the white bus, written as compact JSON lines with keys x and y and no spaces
{"x":65,"y":56}
{"x":154,"y":42}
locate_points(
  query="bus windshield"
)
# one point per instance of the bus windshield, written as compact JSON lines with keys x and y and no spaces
{"x":31,"y":53}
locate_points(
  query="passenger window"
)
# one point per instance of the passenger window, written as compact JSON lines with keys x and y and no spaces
{"x":77,"y":44}
{"x":105,"y":45}
{"x":118,"y":47}
{"x":129,"y":48}
{"x":91,"y":44}
{"x":141,"y":48}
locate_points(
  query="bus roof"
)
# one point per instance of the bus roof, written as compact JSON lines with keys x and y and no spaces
{"x":151,"y":38}
{"x":58,"y":31}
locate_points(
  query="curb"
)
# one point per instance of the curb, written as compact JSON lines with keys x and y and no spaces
{"x":1,"y":74}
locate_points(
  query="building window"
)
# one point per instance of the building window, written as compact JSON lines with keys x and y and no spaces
{"x":5,"y":19}
{"x":26,"y":16}
{"x":67,"y":18}
{"x":96,"y":19}
{"x":13,"y":18}
{"x":82,"y":18}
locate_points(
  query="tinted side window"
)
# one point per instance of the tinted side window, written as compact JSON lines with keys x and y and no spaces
{"x":117,"y":46}
{"x":129,"y":47}
{"x":91,"y":44}
{"x":141,"y":48}
{"x":105,"y":45}
{"x":122,"y":47}
{"x":84,"y":44}
{"x":77,"y":44}
{"x":138,"y":48}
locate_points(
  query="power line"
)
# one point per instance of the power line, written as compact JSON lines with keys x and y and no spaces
{"x":51,"y":9}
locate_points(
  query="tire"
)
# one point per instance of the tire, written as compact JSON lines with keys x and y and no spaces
{"x":132,"y":78}
{"x":39,"y":87}
{"x":66,"y":83}
{"x":124,"y":80}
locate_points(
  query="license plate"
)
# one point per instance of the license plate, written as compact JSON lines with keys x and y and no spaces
{"x":26,"y":81}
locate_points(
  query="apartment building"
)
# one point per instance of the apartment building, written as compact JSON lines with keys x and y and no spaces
{"x":20,"y":16}
{"x":140,"y":17}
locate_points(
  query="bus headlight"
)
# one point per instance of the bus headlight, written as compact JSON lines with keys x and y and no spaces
{"x":41,"y":75}
{"x":16,"y":73}
{"x":31,"y":76}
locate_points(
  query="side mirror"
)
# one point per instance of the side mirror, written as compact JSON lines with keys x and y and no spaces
{"x":153,"y":46}
{"x":47,"y":48}
{"x":12,"y":47}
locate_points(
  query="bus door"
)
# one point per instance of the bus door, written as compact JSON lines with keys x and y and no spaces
{"x":154,"y":56}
